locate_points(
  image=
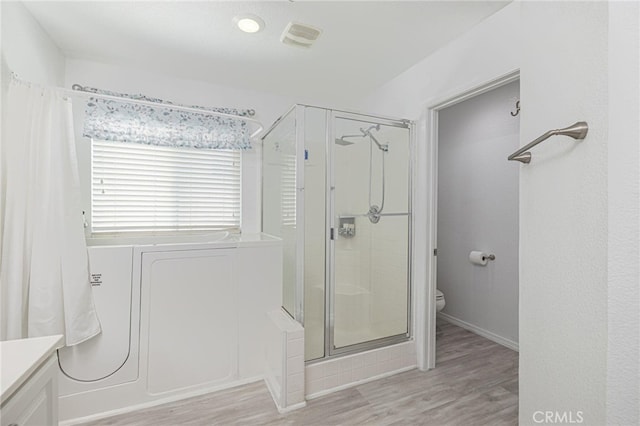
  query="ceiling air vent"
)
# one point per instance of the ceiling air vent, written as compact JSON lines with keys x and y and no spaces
{"x":300,"y":35}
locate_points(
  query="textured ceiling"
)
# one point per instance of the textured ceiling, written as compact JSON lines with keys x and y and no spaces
{"x":363,"y":45}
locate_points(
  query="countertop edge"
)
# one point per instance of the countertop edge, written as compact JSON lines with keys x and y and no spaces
{"x":45,"y":348}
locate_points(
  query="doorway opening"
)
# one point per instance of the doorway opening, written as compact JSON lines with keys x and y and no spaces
{"x":474,"y":268}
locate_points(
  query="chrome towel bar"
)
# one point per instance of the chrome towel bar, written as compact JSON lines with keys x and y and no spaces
{"x":577,"y":131}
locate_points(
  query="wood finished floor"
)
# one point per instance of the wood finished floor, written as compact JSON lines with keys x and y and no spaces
{"x":475,"y":382}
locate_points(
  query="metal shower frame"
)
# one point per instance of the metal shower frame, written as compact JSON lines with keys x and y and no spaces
{"x":330,"y":226}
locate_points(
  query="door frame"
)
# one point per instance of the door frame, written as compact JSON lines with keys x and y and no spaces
{"x":432,"y":115}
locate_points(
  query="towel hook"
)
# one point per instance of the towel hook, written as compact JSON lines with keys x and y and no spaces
{"x":513,"y":114}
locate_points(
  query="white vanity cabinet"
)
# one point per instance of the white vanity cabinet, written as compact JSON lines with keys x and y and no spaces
{"x":29,"y":381}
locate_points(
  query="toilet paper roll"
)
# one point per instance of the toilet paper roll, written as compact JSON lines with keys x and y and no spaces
{"x":478,"y":258}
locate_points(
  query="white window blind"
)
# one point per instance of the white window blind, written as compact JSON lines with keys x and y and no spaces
{"x":143,"y":188}
{"x":288,"y":188}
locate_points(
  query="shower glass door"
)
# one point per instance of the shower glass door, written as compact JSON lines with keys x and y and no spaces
{"x":370,"y":218}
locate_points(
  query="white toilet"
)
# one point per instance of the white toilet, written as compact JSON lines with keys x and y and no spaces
{"x":440,"y":300}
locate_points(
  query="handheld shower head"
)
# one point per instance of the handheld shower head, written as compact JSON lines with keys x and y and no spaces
{"x":367,"y":132}
{"x":364,"y":133}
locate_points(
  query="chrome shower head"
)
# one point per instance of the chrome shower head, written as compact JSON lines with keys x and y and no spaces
{"x":344,"y":142}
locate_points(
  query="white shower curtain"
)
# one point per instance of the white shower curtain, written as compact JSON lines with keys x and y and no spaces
{"x":44,"y":273}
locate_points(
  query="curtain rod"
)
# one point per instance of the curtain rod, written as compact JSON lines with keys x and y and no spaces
{"x":79,"y":90}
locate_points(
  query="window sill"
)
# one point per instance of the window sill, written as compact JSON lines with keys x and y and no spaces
{"x":222,"y":237}
{"x":168,"y":238}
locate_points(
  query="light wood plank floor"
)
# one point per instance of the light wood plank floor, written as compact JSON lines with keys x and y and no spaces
{"x":475,"y":383}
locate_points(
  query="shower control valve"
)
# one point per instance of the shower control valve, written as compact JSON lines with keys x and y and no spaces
{"x":347,"y":226}
{"x":347,"y":231}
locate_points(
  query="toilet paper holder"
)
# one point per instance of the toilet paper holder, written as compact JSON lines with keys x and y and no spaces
{"x":481,"y":258}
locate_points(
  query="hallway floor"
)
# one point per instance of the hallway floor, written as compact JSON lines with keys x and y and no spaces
{"x":475,"y":382}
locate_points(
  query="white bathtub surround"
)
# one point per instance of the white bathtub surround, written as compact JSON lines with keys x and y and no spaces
{"x":284,"y":354}
{"x":44,"y":258}
{"x":325,"y":377}
{"x":201,"y":317}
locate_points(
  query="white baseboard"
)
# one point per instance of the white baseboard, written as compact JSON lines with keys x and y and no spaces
{"x":275,"y":395}
{"x":480,"y":331}
{"x":292,"y":407}
{"x":273,"y":389}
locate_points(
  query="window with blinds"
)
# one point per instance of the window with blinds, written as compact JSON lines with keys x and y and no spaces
{"x":144,"y":188}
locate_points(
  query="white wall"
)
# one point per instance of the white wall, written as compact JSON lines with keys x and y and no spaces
{"x":623,"y":353}
{"x":563,"y":212}
{"x":490,"y":49}
{"x":268,"y":108}
{"x":27,"y":50}
{"x":569,"y":194}
{"x":478,"y":210}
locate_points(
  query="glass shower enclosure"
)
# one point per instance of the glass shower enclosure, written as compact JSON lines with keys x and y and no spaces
{"x":336,"y":188}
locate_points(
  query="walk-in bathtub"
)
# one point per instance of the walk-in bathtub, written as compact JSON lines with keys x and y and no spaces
{"x":178,"y":318}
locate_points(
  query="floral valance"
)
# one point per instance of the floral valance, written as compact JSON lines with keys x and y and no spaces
{"x":122,"y":121}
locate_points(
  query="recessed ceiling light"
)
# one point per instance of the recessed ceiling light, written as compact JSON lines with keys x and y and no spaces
{"x":249,"y":23}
